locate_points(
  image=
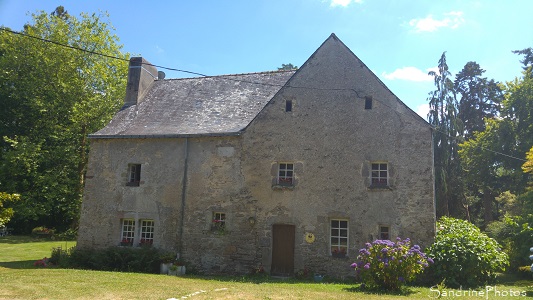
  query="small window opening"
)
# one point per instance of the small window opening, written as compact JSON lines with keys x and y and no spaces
{"x":384,"y":233}
{"x":288,"y":105}
{"x":219,"y":222}
{"x":368,"y":102}
{"x":134,"y":176}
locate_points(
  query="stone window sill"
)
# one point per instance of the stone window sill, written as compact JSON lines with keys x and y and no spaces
{"x":278,"y":187}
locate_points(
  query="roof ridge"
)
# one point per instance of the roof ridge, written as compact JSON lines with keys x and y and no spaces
{"x":230,"y":75}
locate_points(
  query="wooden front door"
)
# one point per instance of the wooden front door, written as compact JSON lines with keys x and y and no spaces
{"x":282,"y":250}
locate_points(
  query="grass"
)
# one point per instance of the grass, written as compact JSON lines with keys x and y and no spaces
{"x":19,"y":279}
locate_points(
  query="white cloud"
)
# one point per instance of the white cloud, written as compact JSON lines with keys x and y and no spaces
{"x":423,"y":110}
{"x":344,"y":3}
{"x":451,"y":19}
{"x":410,"y":74}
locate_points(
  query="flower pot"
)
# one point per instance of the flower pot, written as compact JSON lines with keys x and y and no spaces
{"x":164,"y":268}
{"x":172,"y":272}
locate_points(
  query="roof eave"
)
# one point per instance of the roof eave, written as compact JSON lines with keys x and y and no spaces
{"x":162,"y":136}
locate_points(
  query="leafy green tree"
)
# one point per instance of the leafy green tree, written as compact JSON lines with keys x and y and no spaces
{"x":51,"y":98}
{"x":443,"y":116}
{"x":493,"y":158}
{"x":528,"y":165}
{"x":6,"y":213}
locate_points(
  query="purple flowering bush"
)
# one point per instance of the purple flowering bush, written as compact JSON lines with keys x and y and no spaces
{"x":389,"y":265}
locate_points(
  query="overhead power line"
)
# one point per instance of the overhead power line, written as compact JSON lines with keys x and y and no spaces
{"x":234,"y":79}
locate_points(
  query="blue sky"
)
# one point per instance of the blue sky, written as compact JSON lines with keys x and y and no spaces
{"x":400,"y":41}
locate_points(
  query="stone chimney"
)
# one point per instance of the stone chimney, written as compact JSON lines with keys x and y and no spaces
{"x":141,"y":75}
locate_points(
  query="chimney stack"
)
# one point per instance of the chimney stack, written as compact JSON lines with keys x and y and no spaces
{"x":141,"y":75}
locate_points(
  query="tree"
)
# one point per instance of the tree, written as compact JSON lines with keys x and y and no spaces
{"x":480,"y":98}
{"x":528,"y":165}
{"x":287,"y":67}
{"x":6,"y":213}
{"x":493,"y":158}
{"x":50,"y":101}
{"x":443,"y":116}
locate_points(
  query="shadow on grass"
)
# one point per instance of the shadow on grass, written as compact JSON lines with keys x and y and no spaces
{"x":23,"y":264}
{"x":21,"y":239}
{"x":405,"y":291}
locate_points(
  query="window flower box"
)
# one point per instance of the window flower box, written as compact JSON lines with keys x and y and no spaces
{"x":126,"y":243}
{"x":338,"y":253}
{"x":146,"y":243}
{"x":218,"y":227}
{"x":285,"y":181}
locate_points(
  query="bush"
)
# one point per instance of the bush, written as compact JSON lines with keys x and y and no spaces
{"x":388,"y":265}
{"x":121,"y":259}
{"x":463,"y":255}
{"x":42,"y":231}
{"x":60,"y":257}
{"x":525,"y":272}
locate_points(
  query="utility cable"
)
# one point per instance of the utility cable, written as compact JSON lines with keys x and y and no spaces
{"x":239,"y":80}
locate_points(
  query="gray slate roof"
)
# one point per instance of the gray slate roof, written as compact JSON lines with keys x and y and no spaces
{"x":219,"y":105}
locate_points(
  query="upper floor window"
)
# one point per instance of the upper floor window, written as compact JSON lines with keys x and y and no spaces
{"x":339,"y":238}
{"x":288,"y":105}
{"x":286,"y":174}
{"x":368,"y":102}
{"x":380,"y":174}
{"x":134,"y":174}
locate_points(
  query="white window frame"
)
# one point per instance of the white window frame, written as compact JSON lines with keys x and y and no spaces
{"x":285,"y":174}
{"x":379,"y":174}
{"x":127,"y":231}
{"x":147,"y":232}
{"x":339,"y":236}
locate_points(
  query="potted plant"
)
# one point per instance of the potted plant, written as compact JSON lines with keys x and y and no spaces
{"x":177,"y":268}
{"x":166,"y":261}
{"x":218,"y":226}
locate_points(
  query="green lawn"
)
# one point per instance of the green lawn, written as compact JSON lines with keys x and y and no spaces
{"x":19,"y":279}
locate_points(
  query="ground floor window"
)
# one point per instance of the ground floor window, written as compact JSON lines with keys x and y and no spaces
{"x":128,"y":232}
{"x":339,"y":238}
{"x":147,"y":233}
{"x":137,"y":232}
{"x":384,"y":232}
{"x":219,"y":222}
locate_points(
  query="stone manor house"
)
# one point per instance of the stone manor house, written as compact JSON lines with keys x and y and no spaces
{"x":285,"y":170}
